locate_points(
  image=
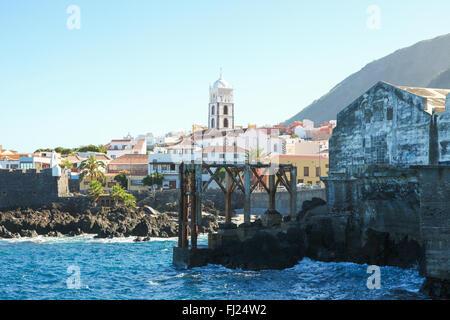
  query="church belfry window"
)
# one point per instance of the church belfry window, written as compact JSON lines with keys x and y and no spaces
{"x":225,"y":109}
{"x":225,"y":123}
{"x":212,"y":110}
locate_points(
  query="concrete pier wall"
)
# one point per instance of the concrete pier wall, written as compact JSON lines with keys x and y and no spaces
{"x":435,"y":226}
{"x":260,"y":200}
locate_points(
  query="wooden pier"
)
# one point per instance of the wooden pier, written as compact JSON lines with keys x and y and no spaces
{"x":246,"y":178}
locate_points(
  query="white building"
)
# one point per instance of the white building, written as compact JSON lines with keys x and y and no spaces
{"x":7,"y":162}
{"x":149,"y":138}
{"x":118,"y":148}
{"x":40,"y":160}
{"x":248,"y":139}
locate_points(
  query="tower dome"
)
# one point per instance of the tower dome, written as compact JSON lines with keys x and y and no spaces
{"x":222,"y":84}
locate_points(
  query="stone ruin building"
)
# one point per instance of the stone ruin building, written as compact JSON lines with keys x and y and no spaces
{"x":389,"y":166}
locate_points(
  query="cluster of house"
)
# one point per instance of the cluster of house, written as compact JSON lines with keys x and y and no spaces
{"x":10,"y":159}
{"x":300,"y":144}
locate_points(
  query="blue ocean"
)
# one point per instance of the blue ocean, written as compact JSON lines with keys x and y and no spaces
{"x":86,"y":268}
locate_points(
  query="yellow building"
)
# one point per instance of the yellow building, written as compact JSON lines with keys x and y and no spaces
{"x":135,"y":183}
{"x":309,"y":167}
{"x":197,"y":127}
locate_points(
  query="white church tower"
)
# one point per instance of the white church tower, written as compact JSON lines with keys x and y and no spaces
{"x":221,"y":105}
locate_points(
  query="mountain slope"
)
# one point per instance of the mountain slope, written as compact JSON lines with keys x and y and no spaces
{"x":441,"y":81}
{"x":417,"y":65}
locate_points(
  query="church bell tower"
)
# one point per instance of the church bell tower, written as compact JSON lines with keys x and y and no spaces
{"x":221,"y":105}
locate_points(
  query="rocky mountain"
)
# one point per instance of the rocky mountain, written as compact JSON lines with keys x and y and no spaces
{"x":442,"y":80}
{"x":425,"y":64}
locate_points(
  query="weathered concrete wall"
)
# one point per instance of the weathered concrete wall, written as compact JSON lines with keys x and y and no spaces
{"x":443,"y":125}
{"x":171,"y":196}
{"x":385,"y":126}
{"x":351,"y":193}
{"x":435,"y":220}
{"x":260,"y":200}
{"x":30,"y":188}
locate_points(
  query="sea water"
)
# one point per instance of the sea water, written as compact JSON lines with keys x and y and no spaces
{"x":86,"y":268}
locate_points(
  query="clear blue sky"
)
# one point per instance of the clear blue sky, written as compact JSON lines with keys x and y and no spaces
{"x":145,"y":66}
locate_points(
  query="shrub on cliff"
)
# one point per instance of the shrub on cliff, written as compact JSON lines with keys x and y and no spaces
{"x":95,"y":190}
{"x":129,"y":200}
{"x":121,"y":178}
{"x":119,"y":195}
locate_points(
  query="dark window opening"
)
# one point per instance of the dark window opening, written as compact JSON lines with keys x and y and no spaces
{"x":306,"y":171}
{"x":390,"y":114}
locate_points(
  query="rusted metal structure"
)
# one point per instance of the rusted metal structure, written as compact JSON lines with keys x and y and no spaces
{"x":246,"y":177}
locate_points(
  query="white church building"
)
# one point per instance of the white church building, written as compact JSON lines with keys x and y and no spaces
{"x":221,"y":105}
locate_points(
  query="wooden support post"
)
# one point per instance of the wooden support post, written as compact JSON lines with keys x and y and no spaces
{"x":193,"y":209}
{"x":198,"y":181}
{"x":181,"y":206}
{"x":182,"y":215}
{"x":228,"y":193}
{"x":293,"y":192}
{"x":247,"y":194}
{"x":272,"y":190}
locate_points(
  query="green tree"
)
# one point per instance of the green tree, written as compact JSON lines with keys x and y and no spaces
{"x":63,"y":151}
{"x":221,"y":174}
{"x":65,"y":165}
{"x":121,"y":178}
{"x":153,"y":179}
{"x":44,"y":150}
{"x":119,"y":195}
{"x":90,"y":170}
{"x":129,"y":200}
{"x":92,"y":148}
{"x":95,"y":191}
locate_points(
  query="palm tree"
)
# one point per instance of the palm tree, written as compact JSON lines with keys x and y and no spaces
{"x":90,"y":169}
{"x":65,"y":165}
{"x":95,"y":191}
{"x":255,"y":155}
{"x":117,"y":193}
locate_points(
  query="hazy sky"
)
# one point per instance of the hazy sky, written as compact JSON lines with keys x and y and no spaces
{"x":145,"y":66}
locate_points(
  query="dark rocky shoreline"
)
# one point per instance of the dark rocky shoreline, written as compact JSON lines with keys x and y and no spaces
{"x":59,"y":220}
{"x":321,"y":236}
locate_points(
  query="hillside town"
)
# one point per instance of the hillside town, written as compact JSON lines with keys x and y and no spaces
{"x":370,"y":186}
{"x":301,"y":143}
